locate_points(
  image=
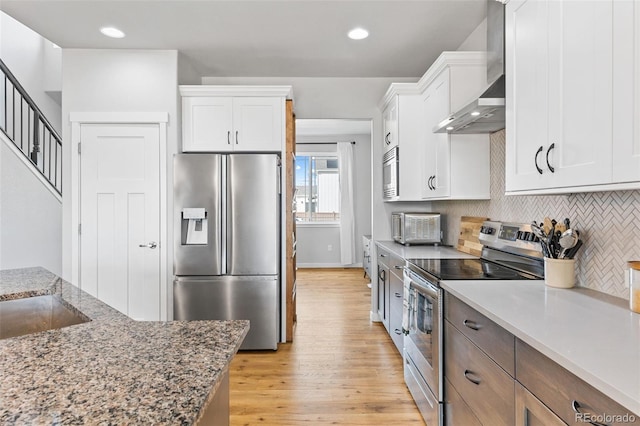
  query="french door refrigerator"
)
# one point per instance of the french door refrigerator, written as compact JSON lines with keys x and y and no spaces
{"x":227,"y":241}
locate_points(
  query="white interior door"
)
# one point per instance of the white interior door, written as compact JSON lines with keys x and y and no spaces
{"x":120,"y":216}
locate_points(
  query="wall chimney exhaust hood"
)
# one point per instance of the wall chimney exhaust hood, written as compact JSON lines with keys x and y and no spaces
{"x":486,"y":113}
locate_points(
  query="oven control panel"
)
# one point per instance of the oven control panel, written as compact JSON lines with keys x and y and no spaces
{"x":509,"y":236}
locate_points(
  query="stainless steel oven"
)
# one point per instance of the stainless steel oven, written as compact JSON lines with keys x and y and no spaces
{"x":421,"y":324}
{"x":390,"y":174}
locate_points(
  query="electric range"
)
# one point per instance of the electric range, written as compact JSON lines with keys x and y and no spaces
{"x":510,"y":252}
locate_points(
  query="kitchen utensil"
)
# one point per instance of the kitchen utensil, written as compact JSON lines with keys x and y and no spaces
{"x":567,"y":223}
{"x":538,"y":232}
{"x":546,"y":225}
{"x":561,"y":227}
{"x":572,"y":252}
{"x":568,"y":240}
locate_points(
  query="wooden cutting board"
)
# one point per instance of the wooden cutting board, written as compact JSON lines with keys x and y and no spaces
{"x":468,"y":241}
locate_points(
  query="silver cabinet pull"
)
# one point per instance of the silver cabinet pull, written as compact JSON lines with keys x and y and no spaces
{"x":468,"y":374}
{"x":151,"y":245}
{"x":471,"y":324}
{"x":576,"y":409}
{"x":228,"y":137}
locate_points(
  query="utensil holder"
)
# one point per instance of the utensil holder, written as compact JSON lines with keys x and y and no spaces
{"x":559,"y":273}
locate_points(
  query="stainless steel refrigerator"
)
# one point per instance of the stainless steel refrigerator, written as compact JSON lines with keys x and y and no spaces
{"x":227,"y":241}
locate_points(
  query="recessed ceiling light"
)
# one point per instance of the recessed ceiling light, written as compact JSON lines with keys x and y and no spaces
{"x":449,"y":128}
{"x":475,"y":113}
{"x":112,"y":32}
{"x":358,"y":34}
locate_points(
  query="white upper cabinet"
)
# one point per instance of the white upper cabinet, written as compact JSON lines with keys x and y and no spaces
{"x":402,"y":127}
{"x":572,"y":96}
{"x":454,"y":167}
{"x":390,"y":124}
{"x":626,"y":91}
{"x":233,"y":118}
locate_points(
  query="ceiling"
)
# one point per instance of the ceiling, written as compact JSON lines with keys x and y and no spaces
{"x":265,"y":38}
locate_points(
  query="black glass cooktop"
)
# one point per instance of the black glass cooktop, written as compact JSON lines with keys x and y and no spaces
{"x":468,"y":269}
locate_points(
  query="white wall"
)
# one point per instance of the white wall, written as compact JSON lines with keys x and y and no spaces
{"x":477,"y":40}
{"x":34,"y":62}
{"x":117,"y":81}
{"x":30,"y":217}
{"x":313,"y":240}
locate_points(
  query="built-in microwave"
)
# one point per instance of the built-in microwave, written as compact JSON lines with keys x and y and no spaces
{"x":390,"y":175}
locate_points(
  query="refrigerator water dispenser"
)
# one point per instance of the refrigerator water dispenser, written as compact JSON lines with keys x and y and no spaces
{"x":195,"y":222}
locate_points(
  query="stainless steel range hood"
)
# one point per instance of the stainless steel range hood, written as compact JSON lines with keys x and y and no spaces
{"x":486,"y":113}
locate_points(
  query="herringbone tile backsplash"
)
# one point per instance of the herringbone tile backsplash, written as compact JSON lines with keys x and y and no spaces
{"x":609,"y":223}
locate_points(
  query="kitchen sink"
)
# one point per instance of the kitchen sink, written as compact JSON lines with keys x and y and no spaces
{"x":35,"y":314}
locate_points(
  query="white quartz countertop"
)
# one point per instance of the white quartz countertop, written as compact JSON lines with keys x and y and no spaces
{"x":424,"y":252}
{"x":593,"y":337}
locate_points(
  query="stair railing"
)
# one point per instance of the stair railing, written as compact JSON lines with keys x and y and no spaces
{"x":26,"y":126}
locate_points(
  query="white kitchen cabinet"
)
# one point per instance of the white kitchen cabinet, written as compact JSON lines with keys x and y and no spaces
{"x":626,"y":91}
{"x":390,"y":124}
{"x":401,"y":110}
{"x":453,"y":166}
{"x":233,"y":118}
{"x":559,"y":88}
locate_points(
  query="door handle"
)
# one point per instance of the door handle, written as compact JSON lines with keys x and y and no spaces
{"x":151,"y":245}
{"x":535,"y":159}
{"x":553,"y":145}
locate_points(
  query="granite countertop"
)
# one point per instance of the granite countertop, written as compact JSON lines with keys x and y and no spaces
{"x":424,"y":252}
{"x":594,"y":336}
{"x":111,"y":370}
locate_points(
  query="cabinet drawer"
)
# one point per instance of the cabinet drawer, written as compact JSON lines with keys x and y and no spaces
{"x":395,"y":330}
{"x":557,"y":388}
{"x":384,"y":257}
{"x":486,"y":388}
{"x":494,"y":340}
{"x":456,"y":411}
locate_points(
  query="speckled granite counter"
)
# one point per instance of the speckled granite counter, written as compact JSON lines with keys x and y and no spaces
{"x":111,"y":370}
{"x":424,"y":252}
{"x":592,"y":335}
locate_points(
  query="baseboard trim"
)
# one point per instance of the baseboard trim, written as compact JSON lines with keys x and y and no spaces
{"x":328,"y":265}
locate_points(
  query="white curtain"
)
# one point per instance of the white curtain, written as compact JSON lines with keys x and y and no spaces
{"x":347,"y":221}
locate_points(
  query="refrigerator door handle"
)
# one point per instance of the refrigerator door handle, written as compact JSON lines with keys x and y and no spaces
{"x":224,"y":217}
{"x":279,"y":177}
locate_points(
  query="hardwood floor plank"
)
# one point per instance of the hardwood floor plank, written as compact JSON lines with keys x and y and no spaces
{"x":340,"y":369}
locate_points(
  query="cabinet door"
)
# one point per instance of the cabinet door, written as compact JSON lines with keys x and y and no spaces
{"x":257,"y":124}
{"x":580,"y":92}
{"x":559,"y":83}
{"x":531,"y":412}
{"x":206,"y":124}
{"x":396,"y":294}
{"x":436,"y":154}
{"x":526,"y":40}
{"x":390,"y":125}
{"x":626,"y":91}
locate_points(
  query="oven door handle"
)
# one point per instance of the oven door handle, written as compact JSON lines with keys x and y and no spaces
{"x":425,"y":288}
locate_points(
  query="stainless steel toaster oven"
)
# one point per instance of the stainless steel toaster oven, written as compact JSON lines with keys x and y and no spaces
{"x":416,"y":228}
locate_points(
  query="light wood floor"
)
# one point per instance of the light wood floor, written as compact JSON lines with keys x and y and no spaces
{"x":341,"y":368}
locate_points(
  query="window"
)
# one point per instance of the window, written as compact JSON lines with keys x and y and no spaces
{"x":317,"y":188}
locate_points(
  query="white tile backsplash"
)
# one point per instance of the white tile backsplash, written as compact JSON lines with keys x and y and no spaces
{"x":609,"y":223}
